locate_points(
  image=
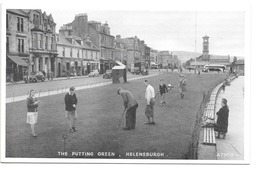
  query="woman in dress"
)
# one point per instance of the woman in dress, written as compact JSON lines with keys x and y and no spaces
{"x":32,"y":114}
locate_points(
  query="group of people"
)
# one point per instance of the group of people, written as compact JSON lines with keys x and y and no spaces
{"x":130,"y":105}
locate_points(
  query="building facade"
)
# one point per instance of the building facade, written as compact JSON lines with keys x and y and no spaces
{"x":17,"y":44}
{"x":154,"y":55}
{"x":99,"y":35}
{"x":30,"y":43}
{"x":120,"y":50}
{"x":77,"y":56}
{"x":165,"y":59}
{"x":43,"y":50}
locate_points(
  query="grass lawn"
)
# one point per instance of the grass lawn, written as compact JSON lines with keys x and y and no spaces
{"x":99,"y":111}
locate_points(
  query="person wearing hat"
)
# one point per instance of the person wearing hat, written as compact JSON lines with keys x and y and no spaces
{"x":182,"y":85}
{"x":70,"y":107}
{"x":222,"y":120}
{"x":130,"y":105}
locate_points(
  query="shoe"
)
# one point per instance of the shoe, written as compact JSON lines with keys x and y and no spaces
{"x":34,"y":134}
{"x":75,"y":129}
{"x":71,"y":130}
{"x":152,"y":123}
{"x":147,"y":123}
{"x":126,"y":128}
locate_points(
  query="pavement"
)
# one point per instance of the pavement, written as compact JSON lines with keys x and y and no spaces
{"x":232,"y":148}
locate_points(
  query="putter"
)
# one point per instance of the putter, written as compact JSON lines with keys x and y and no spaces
{"x":121,"y":118}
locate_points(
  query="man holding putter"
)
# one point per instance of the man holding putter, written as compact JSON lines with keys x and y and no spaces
{"x":130,"y":105}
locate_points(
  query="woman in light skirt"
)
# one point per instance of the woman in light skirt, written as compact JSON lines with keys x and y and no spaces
{"x":32,"y":114}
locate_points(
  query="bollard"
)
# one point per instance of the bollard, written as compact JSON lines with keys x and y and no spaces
{"x":39,"y":93}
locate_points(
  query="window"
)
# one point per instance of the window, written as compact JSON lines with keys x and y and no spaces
{"x":7,"y":44}
{"x":40,"y":40}
{"x":91,"y":54}
{"x":51,"y":43}
{"x":46,"y":42}
{"x":78,"y":54}
{"x":19,"y":24}
{"x":36,"y":21}
{"x":71,"y":52}
{"x":20,"y":45}
{"x":63,"y":52}
{"x":7,"y":21}
{"x":35,"y":44}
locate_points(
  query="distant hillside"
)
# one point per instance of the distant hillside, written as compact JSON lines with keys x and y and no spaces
{"x":184,"y":56}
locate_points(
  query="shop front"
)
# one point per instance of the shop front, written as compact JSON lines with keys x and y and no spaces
{"x":16,"y":68}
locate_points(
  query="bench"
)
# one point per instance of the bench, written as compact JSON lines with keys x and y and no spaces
{"x":213,"y":98}
{"x":209,"y":137}
{"x":210,"y":106}
{"x":209,"y":113}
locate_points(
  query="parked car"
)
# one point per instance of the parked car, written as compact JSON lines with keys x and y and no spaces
{"x":34,"y":77}
{"x":108,"y":74}
{"x":205,"y":70}
{"x":93,"y":73}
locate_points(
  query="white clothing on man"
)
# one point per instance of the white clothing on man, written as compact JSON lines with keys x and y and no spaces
{"x":149,"y":94}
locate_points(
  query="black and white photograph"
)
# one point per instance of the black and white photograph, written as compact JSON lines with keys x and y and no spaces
{"x":124,"y":85}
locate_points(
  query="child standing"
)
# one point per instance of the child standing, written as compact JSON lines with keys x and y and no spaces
{"x":163,"y":89}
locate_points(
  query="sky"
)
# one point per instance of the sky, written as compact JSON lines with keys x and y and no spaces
{"x":170,"y":30}
{"x":171,"y":25}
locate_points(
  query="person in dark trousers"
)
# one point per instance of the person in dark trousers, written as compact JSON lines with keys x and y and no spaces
{"x":222,"y":120}
{"x":32,"y":114}
{"x":163,"y":90}
{"x":182,"y":85}
{"x":71,"y":102}
{"x":130,"y":105}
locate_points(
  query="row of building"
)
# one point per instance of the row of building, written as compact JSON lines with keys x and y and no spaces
{"x":80,"y":47}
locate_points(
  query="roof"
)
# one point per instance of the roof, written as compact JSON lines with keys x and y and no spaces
{"x":199,"y":63}
{"x":219,"y":57}
{"x":66,"y":41}
{"x":19,"y":12}
{"x":118,"y":67}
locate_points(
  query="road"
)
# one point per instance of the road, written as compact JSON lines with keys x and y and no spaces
{"x":14,"y":90}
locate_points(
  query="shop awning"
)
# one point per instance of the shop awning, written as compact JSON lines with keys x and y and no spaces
{"x":119,"y":63}
{"x":118,"y":67}
{"x":18,"y":60}
{"x":153,"y":63}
